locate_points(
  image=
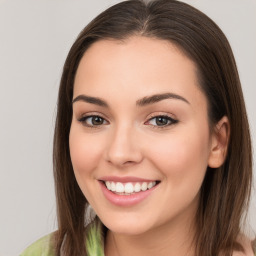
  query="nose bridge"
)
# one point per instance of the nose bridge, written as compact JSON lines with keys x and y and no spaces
{"x":123,"y":147}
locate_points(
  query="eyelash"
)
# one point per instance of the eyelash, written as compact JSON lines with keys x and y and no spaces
{"x":169,"y":119}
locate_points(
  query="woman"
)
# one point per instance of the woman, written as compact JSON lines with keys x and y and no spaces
{"x":152,"y":137}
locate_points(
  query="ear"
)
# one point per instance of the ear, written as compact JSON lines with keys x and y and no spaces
{"x":219,"y":143}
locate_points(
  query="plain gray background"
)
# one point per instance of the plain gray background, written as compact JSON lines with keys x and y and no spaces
{"x":35,"y":36}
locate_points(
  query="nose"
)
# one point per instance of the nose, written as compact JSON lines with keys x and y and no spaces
{"x":123,"y":148}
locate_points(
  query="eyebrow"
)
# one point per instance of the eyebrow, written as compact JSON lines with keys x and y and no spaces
{"x":147,"y":100}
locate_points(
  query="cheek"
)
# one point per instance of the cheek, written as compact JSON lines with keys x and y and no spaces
{"x":85,"y":153}
{"x":182,"y":158}
{"x":182,"y":161}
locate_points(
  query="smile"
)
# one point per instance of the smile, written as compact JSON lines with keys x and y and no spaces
{"x":127,"y":191}
{"x":128,"y":188}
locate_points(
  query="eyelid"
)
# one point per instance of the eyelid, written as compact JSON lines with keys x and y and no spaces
{"x":164,"y":115}
{"x":152,"y":116}
{"x":83,"y":117}
{"x":156,"y":114}
{"x":90,"y":114}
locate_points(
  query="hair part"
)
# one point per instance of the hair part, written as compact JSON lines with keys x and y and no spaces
{"x":225,"y":192}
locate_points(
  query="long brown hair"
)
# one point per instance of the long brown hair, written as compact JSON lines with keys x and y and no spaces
{"x":225,"y":191}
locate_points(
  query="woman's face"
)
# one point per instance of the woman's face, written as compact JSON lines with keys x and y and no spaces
{"x":140,"y":128}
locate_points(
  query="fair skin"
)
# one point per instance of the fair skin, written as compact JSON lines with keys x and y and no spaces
{"x":127,"y":141}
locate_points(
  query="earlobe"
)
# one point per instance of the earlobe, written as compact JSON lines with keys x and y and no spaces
{"x":219,"y":143}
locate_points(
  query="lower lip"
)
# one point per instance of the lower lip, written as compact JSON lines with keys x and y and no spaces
{"x":125,"y":200}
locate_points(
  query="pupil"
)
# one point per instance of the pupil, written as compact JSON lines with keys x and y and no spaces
{"x":97,"y":120}
{"x":160,"y":121}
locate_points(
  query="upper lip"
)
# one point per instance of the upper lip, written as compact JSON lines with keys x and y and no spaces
{"x":125,"y":179}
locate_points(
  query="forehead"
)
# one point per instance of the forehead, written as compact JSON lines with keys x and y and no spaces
{"x":134,"y":68}
{"x":137,"y":51}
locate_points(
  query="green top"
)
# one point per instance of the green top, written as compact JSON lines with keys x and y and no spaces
{"x":41,"y":247}
{"x":94,"y":246}
{"x":93,"y":243}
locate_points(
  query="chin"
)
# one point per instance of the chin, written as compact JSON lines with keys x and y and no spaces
{"x":125,"y":227}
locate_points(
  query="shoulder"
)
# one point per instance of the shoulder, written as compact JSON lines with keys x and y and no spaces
{"x":42,"y":247}
{"x":247,"y":244}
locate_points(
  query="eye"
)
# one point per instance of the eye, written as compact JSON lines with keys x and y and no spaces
{"x":162,"y":121}
{"x":92,"y":121}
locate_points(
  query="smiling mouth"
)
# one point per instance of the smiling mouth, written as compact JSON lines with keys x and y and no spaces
{"x":129,"y":188}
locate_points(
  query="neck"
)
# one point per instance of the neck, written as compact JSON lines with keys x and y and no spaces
{"x":172,"y":239}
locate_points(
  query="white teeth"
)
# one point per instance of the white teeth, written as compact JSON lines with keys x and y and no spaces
{"x":113,"y":186}
{"x":119,"y":187}
{"x":144,"y":186}
{"x":129,"y":188}
{"x":137,"y":187}
{"x":150,"y":185}
{"x":108,"y":184}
